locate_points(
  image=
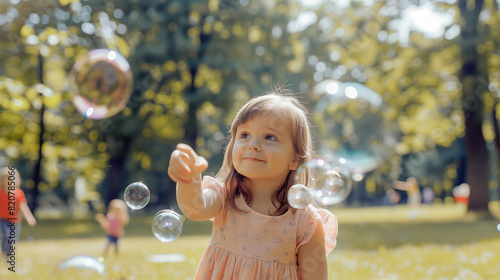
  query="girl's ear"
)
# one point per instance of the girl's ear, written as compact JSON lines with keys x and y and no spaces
{"x":294,"y":165}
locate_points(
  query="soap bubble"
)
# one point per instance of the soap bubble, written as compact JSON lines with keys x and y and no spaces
{"x":299,"y":196}
{"x":322,"y":88}
{"x":351,"y":125}
{"x":340,"y":185}
{"x":79,"y":267}
{"x":136,"y":195}
{"x":167,"y":225}
{"x":328,"y":184}
{"x":101,"y":83}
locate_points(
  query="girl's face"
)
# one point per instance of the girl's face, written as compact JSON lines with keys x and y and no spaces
{"x":4,"y":183}
{"x":263,"y":149}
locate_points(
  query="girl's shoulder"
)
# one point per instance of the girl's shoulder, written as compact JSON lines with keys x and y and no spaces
{"x":313,"y":214}
{"x":311,"y":219}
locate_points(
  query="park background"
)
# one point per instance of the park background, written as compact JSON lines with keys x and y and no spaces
{"x":435,"y":64}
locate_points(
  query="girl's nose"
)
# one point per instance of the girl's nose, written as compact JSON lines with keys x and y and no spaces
{"x":253,"y":145}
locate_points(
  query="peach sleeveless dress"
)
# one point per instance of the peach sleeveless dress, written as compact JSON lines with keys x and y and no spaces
{"x":251,"y":245}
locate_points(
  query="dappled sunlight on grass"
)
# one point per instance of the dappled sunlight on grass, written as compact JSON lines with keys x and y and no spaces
{"x":402,"y":213}
{"x":373,"y":243}
{"x":469,"y":261}
{"x":476,"y":260}
{"x":39,"y":259}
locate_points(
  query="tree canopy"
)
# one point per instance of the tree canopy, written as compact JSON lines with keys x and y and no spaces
{"x":196,"y":62}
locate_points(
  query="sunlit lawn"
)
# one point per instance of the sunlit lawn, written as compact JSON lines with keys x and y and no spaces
{"x":382,"y":243}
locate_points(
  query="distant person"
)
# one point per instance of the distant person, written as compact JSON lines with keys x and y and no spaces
{"x":113,"y":223}
{"x":428,"y":196}
{"x":392,"y":197}
{"x":414,"y":197}
{"x":256,"y":234}
{"x":12,"y":202}
{"x":461,"y":194}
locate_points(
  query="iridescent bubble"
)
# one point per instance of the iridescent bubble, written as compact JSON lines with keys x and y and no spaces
{"x":79,"y":267}
{"x":498,"y":227}
{"x":332,"y":190}
{"x":328,"y":184}
{"x":339,"y":192}
{"x":299,"y":196}
{"x":351,"y":126}
{"x":167,"y":225}
{"x":136,"y":195}
{"x":322,"y":88}
{"x":101,"y":83}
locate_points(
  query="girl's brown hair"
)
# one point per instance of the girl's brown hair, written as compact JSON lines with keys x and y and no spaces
{"x":291,"y":112}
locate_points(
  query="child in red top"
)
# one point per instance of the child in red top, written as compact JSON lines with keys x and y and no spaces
{"x":113,"y":223}
{"x":12,"y":202}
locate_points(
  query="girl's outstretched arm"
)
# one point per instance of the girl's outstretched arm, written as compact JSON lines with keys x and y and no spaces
{"x":103,"y":222}
{"x":26,"y":212}
{"x":185,"y":168}
{"x":312,"y":260}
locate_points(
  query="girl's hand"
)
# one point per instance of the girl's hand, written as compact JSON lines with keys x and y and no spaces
{"x":185,"y":165}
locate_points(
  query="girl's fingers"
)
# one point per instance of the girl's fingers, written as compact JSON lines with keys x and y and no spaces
{"x":201,"y":164}
{"x":191,"y":154}
{"x":180,"y":161}
{"x":178,"y":176}
{"x":185,"y":164}
{"x":178,"y":169}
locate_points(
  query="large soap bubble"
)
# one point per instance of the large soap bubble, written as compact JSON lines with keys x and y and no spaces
{"x":351,"y":125}
{"x":101,"y":83}
{"x":322,"y":88}
{"x":79,"y":267}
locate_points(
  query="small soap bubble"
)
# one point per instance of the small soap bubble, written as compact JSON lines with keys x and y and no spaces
{"x":79,"y":267}
{"x":328,"y":184}
{"x":341,"y":191}
{"x":167,"y":225}
{"x":299,"y":196}
{"x":332,"y":189}
{"x":101,"y":83}
{"x":136,"y":195}
{"x":498,"y":227}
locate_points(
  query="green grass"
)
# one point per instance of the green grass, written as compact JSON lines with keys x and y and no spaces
{"x":393,"y":243}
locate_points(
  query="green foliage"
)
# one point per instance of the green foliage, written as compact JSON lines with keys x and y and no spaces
{"x":195,"y":62}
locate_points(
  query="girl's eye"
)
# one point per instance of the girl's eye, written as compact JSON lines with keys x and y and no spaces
{"x":244,"y":135}
{"x":271,"y":137}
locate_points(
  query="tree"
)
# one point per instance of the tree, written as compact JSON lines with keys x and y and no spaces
{"x":474,"y":68}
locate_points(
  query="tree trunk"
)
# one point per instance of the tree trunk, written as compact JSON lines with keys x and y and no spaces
{"x":114,"y":183}
{"x":33,"y":205}
{"x":477,"y":174}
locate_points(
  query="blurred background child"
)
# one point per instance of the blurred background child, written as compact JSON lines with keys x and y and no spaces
{"x":113,"y":223}
{"x":12,"y":202}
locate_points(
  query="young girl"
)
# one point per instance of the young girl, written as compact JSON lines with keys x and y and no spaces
{"x":256,"y":234}
{"x":12,"y":202}
{"x":113,"y":223}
